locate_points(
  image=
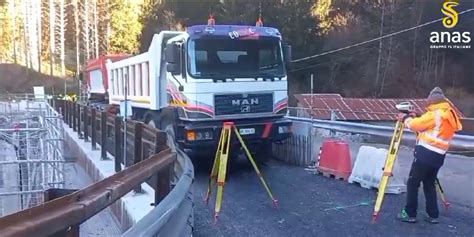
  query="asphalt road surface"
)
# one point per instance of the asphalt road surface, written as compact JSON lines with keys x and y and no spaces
{"x":313,"y":205}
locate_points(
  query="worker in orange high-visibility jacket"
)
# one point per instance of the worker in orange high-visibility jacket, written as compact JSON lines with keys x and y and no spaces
{"x":435,"y":130}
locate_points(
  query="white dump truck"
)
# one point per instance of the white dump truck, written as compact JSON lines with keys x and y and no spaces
{"x":189,"y":83}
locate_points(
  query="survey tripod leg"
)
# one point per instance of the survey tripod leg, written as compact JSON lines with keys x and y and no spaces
{"x":259,"y":174}
{"x":446,"y":204}
{"x":388,"y":168}
{"x":215,"y":168}
{"x":219,"y":169}
{"x":392,"y":155}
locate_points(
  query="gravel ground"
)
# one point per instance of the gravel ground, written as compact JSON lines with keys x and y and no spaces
{"x":313,"y":205}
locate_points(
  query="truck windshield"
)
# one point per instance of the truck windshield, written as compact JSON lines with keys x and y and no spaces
{"x":210,"y":58}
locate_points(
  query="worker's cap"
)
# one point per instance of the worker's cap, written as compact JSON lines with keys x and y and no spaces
{"x":436,"y":96}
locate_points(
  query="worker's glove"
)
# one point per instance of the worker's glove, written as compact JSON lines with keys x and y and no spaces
{"x":402,"y":116}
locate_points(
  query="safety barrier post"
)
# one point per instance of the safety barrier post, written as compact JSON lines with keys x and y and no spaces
{"x":163,"y":177}
{"x":85,"y":123}
{"x":78,"y":120}
{"x":138,"y":151}
{"x":103,"y":135}
{"x":94,"y":129}
{"x":162,"y":185}
{"x":54,"y":193}
{"x":70,"y":114}
{"x":65,"y":111}
{"x":118,"y":139}
{"x":74,"y":116}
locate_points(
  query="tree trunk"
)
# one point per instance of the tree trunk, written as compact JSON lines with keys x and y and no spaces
{"x":25,"y":32}
{"x":32,"y":35}
{"x":96,"y":33}
{"x":52,"y":17}
{"x":86,"y":28}
{"x":107,"y":34}
{"x":39,"y":28}
{"x":78,"y":51}
{"x":380,"y":48}
{"x":61,"y":30}
{"x":13,"y":11}
{"x":414,"y":40}
{"x":389,"y":56}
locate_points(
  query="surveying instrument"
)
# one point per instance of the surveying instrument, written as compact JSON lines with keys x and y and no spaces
{"x":406,"y":108}
{"x":219,"y":169}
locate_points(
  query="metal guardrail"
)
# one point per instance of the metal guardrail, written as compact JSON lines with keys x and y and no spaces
{"x":174,"y":215}
{"x":459,"y":141}
{"x":62,"y":213}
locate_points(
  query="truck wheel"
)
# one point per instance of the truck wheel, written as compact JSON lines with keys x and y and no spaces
{"x":264,"y":152}
{"x":170,"y":141}
{"x":167,"y":127}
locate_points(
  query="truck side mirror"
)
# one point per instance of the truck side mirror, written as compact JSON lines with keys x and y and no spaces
{"x":173,"y":60}
{"x":286,"y":53}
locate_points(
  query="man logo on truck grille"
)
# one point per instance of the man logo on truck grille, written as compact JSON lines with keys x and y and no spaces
{"x":245,"y":109}
{"x":253,"y":101}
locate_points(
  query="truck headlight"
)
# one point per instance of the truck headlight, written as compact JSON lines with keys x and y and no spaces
{"x":283,"y":129}
{"x":204,"y":135}
{"x":199,"y":135}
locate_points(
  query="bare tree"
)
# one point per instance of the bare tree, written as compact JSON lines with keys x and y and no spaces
{"x":96,"y":32}
{"x":380,"y":47}
{"x":76,"y":20}
{"x":25,"y":29}
{"x":38,"y":11}
{"x":52,"y":17}
{"x":86,"y":28}
{"x":107,"y":34}
{"x":62,"y":26}
{"x":14,"y":26}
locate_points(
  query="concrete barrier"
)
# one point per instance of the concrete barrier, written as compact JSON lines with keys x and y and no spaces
{"x":368,"y":170}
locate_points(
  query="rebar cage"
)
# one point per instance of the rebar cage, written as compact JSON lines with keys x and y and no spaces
{"x":31,"y":151}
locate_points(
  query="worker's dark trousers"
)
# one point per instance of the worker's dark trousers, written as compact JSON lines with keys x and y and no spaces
{"x":421,"y":172}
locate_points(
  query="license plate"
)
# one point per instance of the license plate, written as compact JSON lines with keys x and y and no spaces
{"x":247,"y":131}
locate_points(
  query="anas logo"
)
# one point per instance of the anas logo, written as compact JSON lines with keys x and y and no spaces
{"x":451,"y":19}
{"x":450,"y":39}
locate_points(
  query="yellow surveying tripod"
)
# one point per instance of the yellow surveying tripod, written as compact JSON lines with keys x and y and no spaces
{"x":405,"y":107}
{"x":219,"y":168}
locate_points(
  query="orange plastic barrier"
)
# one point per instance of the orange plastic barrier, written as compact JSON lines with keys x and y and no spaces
{"x":335,"y":159}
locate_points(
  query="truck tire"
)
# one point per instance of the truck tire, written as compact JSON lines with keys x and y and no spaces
{"x":167,"y":126}
{"x":263,"y":152}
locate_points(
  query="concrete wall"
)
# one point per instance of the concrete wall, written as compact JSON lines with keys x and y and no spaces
{"x":130,"y":208}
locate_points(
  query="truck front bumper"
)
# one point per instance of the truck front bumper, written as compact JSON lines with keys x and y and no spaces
{"x":206,"y":134}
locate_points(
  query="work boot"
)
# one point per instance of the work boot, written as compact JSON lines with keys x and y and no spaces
{"x":431,"y":220}
{"x":403,"y":216}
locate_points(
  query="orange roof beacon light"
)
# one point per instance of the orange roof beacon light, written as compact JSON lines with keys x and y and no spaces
{"x":211,"y":21}
{"x":259,"y":22}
